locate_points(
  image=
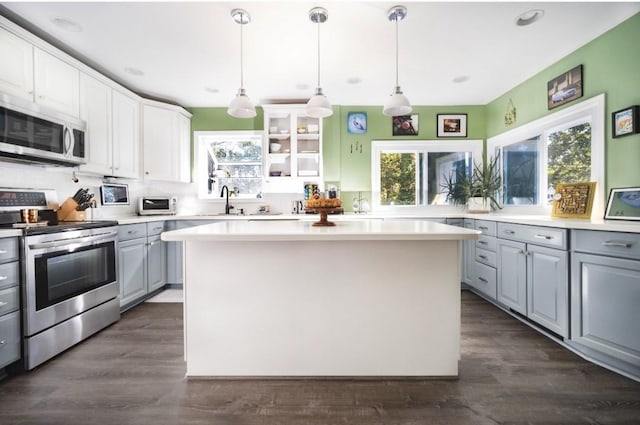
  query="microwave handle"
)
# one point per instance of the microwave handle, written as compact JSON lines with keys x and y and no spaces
{"x":68,"y":142}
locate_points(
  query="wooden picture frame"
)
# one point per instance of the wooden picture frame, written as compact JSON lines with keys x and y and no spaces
{"x":451,"y":125}
{"x":623,"y":204}
{"x":625,"y":121}
{"x":573,"y":200}
{"x":565,"y":88}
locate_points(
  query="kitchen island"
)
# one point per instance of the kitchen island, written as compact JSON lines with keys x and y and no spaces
{"x":284,"y":298}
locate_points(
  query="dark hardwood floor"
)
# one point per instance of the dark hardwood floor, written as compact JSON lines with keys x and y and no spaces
{"x":133,"y":373}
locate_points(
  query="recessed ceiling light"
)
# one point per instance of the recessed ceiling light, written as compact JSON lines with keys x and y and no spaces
{"x":134,"y":71}
{"x":529,"y":17}
{"x":66,"y":24}
{"x":211,"y":90}
{"x":302,"y":86}
{"x":461,"y":79}
{"x":354,"y":80}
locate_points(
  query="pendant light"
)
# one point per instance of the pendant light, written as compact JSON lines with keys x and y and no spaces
{"x":241,"y":106}
{"x":319,"y":106}
{"x":397,"y":104}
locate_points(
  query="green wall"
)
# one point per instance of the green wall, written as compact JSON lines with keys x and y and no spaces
{"x":611,"y":65}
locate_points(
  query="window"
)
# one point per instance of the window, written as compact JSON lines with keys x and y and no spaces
{"x":409,"y":175}
{"x":232,"y":158}
{"x":564,"y":147}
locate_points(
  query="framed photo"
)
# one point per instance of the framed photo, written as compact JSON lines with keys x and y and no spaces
{"x":405,"y":125}
{"x":114,"y":194}
{"x":625,"y":121}
{"x":573,"y":200}
{"x":357,"y":122}
{"x":452,"y":125}
{"x":565,"y":88}
{"x":623,"y":204}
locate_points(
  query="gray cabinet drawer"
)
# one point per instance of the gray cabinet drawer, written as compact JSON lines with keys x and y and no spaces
{"x":617,"y":244}
{"x":485,"y":257}
{"x":132,"y":231}
{"x":455,"y":222}
{"x":544,"y":236}
{"x":9,"y":338}
{"x":487,"y":227}
{"x":9,"y":300}
{"x":486,"y":280}
{"x":9,"y":274}
{"x":155,"y":228}
{"x":9,"y":250}
{"x":486,"y":242}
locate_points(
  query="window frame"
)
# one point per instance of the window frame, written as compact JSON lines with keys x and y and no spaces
{"x":475,"y":146}
{"x":592,"y":110}
{"x":200,"y":174}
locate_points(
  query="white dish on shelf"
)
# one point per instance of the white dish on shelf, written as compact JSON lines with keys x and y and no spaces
{"x":274,"y":147}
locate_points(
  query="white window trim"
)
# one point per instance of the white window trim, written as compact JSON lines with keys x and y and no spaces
{"x":592,"y":109}
{"x":411,"y":146}
{"x":201,"y":159}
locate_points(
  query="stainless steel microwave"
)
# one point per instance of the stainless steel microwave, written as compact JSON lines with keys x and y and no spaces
{"x":32,"y":133}
{"x":157,"y":205}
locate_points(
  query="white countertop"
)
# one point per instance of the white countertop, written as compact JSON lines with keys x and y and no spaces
{"x":302,"y":230}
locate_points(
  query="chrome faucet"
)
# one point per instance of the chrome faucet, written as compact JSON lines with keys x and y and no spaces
{"x":227,"y":207}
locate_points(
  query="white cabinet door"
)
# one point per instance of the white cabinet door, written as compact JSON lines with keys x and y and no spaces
{"x":16,"y":72}
{"x":184,"y":137}
{"x":95,"y":109}
{"x":548,"y":288}
{"x":126,"y":136}
{"x":160,"y":145}
{"x":57,"y":84}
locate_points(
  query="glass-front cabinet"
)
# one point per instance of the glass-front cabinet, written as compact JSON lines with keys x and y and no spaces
{"x":293,"y":146}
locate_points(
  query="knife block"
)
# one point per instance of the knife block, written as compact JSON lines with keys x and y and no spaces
{"x":67,"y":211}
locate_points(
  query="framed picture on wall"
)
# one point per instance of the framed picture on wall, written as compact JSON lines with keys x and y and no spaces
{"x":565,"y":88}
{"x":405,"y":125}
{"x":623,"y":204}
{"x":625,"y":121}
{"x":357,"y":122}
{"x":452,"y":125}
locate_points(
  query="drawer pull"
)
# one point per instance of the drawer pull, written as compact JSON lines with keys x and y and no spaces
{"x":483,"y":227}
{"x":483,"y":242}
{"x":157,"y":228}
{"x":509,"y":232}
{"x":620,"y":244}
{"x":484,"y":257}
{"x":2,"y":304}
{"x":132,"y":232}
{"x":3,"y":251}
{"x":3,"y":342}
{"x":4,"y":278}
{"x":546,"y":237}
{"x":482,"y":279}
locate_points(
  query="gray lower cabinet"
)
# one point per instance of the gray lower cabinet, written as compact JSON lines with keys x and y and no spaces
{"x":533,"y":280}
{"x":469,"y":255}
{"x":141,"y":262}
{"x":174,"y":250}
{"x":605,"y":297}
{"x":482,"y":272}
{"x":9,"y":301}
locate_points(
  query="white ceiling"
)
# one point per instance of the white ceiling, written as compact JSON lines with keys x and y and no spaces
{"x":185,"y":48}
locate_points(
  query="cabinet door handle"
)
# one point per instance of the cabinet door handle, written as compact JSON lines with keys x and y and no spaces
{"x":2,"y":303}
{"x":483,"y":228}
{"x":3,"y":251}
{"x":4,"y":278}
{"x":546,"y":237}
{"x":131,"y":232}
{"x":621,"y":244}
{"x":484,"y":257}
{"x":482,"y":279}
{"x":483,"y":242}
{"x":2,"y":343}
{"x":509,"y":232}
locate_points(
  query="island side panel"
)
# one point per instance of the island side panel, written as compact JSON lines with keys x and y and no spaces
{"x":322,"y":308}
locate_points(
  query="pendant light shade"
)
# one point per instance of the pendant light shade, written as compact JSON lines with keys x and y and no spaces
{"x":397,"y":104}
{"x":241,"y":106}
{"x":319,"y":106}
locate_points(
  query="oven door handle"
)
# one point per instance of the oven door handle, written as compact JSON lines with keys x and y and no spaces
{"x":72,"y":241}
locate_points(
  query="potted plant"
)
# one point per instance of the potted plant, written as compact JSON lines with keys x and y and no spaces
{"x":478,"y":191}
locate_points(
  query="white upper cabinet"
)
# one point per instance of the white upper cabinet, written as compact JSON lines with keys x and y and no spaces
{"x":95,"y":109}
{"x":166,"y":144}
{"x":57,"y":84}
{"x":126,"y":136}
{"x":16,"y":72}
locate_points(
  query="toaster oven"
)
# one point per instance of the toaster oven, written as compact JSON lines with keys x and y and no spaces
{"x":157,"y":205}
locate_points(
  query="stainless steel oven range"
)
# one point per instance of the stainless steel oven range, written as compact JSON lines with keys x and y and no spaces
{"x":70,"y":286}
